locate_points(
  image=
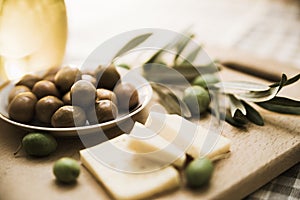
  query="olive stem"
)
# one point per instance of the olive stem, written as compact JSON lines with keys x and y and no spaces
{"x":18,"y":149}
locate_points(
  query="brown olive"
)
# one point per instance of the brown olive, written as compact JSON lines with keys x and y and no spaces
{"x":29,"y":80}
{"x":65,"y":78}
{"x":107,"y":77}
{"x":83,"y":93}
{"x":17,"y":90}
{"x":68,"y":116}
{"x":89,"y":78}
{"x":44,"y":88}
{"x":105,"y":110}
{"x":67,"y":98}
{"x":127,"y":96}
{"x":102,"y":94}
{"x":22,"y":107}
{"x":46,"y":107}
{"x":49,"y":76}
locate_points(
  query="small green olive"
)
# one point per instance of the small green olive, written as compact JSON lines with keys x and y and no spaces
{"x":39,"y":144}
{"x":65,"y":78}
{"x":66,"y":170}
{"x":102,"y":94}
{"x":197,"y":99}
{"x":83,"y":93}
{"x":68,"y":116}
{"x":127,"y":96}
{"x":198,"y":172}
{"x":22,"y":107}
{"x":107,"y":77}
{"x":29,"y":80}
{"x":17,"y":90}
{"x":46,"y":107}
{"x":44,"y":88}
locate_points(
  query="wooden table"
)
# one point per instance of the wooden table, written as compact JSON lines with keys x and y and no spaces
{"x":258,"y":155}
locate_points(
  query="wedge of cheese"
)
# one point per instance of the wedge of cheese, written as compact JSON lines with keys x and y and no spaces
{"x":126,"y":175}
{"x":187,"y":136}
{"x":153,"y":146}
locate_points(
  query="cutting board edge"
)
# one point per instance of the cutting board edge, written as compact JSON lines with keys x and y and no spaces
{"x":268,"y":172}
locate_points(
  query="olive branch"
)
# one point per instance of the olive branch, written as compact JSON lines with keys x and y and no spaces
{"x":240,"y":94}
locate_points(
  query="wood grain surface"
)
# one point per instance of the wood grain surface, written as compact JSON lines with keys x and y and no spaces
{"x":258,"y":154}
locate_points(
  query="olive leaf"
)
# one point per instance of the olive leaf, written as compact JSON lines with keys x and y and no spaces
{"x":236,"y":105}
{"x":227,"y":117}
{"x":170,"y":101}
{"x":232,"y":86}
{"x":192,"y":56}
{"x":287,"y":82}
{"x":261,"y":96}
{"x":181,"y":46}
{"x":253,"y":115}
{"x":132,"y":44}
{"x":281,"y":105}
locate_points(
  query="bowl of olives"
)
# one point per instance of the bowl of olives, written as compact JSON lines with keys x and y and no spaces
{"x":67,"y":101}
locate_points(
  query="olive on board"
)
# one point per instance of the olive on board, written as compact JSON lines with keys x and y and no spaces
{"x":44,"y":88}
{"x":102,"y":94}
{"x":106,"y":110}
{"x":29,"y":80}
{"x":39,"y":144}
{"x":107,"y":77}
{"x":17,"y":90}
{"x":65,"y":78}
{"x":127,"y":96}
{"x":46,"y":107}
{"x":66,"y":170}
{"x":68,"y":116}
{"x":22,"y":107}
{"x":67,"y":98}
{"x":83,"y":94}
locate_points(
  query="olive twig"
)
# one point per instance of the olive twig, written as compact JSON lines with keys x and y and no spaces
{"x":18,"y":149}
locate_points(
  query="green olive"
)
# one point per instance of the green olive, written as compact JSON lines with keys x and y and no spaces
{"x":105,"y":111}
{"x":46,"y":107}
{"x":197,"y":99}
{"x":22,"y":107}
{"x":205,"y":79}
{"x":83,"y":94}
{"x":29,"y":80}
{"x":107,"y":77}
{"x":127,"y":96}
{"x":39,"y":144}
{"x":44,"y":88}
{"x":198,"y":172}
{"x":65,"y":78}
{"x":17,"y":90}
{"x":66,"y":170}
{"x":102,"y":94}
{"x":68,"y":116}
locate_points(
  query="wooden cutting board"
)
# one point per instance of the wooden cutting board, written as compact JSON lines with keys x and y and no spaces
{"x":258,"y":154}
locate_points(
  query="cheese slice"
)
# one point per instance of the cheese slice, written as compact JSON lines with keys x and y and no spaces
{"x":187,"y":136}
{"x":125,"y":174}
{"x":153,"y":146}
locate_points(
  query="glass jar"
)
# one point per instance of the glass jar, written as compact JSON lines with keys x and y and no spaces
{"x":33,"y":35}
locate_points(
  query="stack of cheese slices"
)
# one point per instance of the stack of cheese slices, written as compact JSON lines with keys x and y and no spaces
{"x":147,"y":161}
